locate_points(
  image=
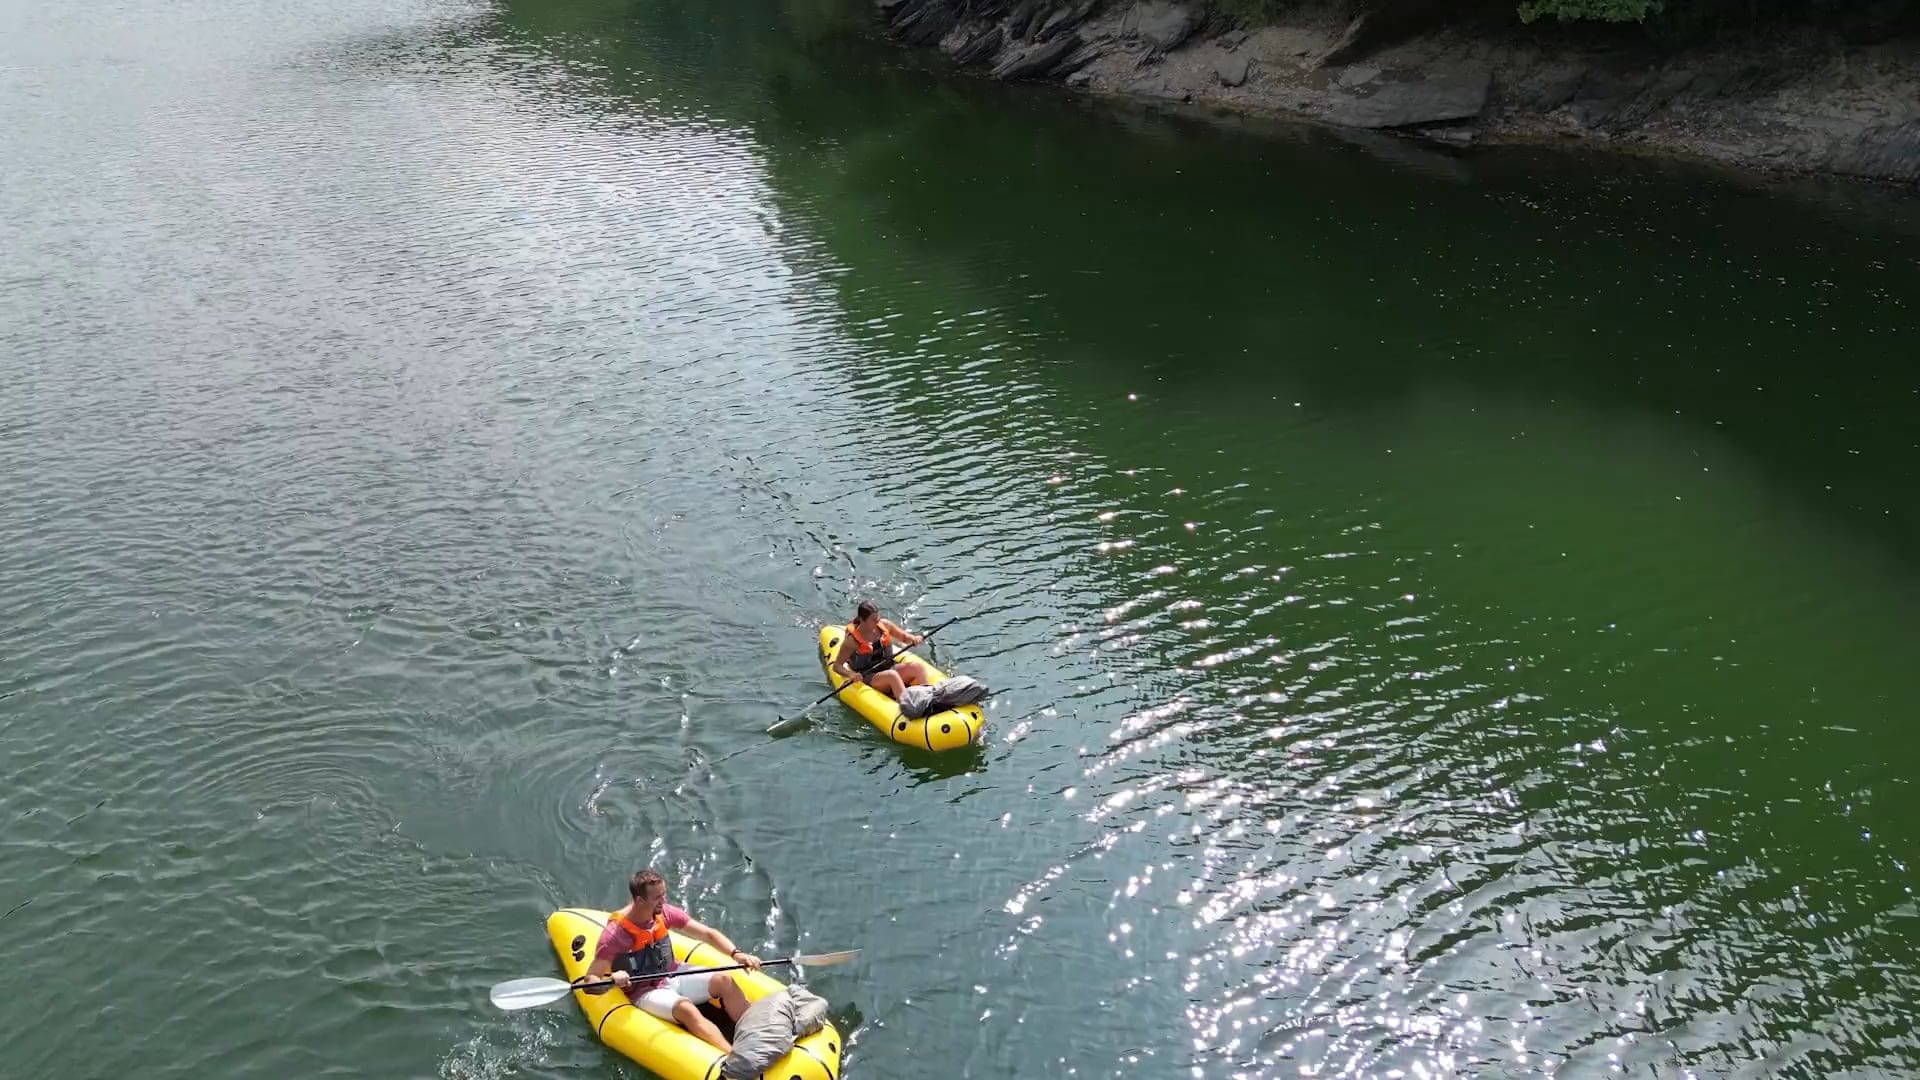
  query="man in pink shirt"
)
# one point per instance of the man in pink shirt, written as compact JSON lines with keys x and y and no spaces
{"x":636,"y":949}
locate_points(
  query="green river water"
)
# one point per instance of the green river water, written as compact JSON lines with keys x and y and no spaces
{"x":1451,"y":616}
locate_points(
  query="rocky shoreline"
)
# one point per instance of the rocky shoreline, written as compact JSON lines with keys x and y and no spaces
{"x":1803,"y":101}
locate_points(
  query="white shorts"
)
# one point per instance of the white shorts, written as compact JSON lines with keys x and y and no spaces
{"x":661,"y":999}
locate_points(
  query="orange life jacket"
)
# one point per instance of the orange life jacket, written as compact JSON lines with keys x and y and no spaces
{"x":652,"y":953}
{"x":642,"y":938}
{"x":862,"y":647}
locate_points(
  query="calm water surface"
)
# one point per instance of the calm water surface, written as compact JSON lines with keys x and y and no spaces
{"x":1452,"y":617}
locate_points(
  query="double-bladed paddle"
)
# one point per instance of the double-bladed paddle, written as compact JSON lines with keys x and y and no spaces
{"x":529,"y":993}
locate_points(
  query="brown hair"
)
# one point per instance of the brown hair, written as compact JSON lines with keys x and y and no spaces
{"x":865,"y":611}
{"x":637,"y":884}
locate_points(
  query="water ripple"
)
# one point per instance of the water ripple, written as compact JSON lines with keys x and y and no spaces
{"x":434,"y":431}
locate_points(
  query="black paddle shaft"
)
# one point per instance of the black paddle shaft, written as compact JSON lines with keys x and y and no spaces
{"x":675,"y":974}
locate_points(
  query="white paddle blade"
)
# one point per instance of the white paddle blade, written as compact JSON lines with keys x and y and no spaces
{"x":827,"y":959}
{"x":787,"y":725}
{"x":528,"y":993}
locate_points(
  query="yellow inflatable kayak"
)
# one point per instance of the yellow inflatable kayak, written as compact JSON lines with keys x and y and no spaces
{"x":666,"y":1048}
{"x":948,"y":730}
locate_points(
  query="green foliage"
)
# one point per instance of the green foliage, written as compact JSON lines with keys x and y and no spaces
{"x":1595,"y":10}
